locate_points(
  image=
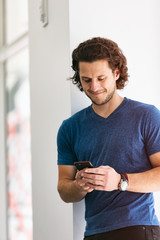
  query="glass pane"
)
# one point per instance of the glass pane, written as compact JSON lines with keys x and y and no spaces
{"x":16,"y":19}
{"x":18,"y":147}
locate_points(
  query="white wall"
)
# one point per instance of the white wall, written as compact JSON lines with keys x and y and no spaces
{"x":50,"y":104}
{"x":135,"y":26}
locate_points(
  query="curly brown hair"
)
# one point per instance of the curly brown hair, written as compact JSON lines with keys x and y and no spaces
{"x":97,"y":49}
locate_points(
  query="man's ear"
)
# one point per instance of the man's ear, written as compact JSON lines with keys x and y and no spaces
{"x":117,"y":73}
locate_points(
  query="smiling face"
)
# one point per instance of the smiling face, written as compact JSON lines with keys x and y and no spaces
{"x":98,"y":81}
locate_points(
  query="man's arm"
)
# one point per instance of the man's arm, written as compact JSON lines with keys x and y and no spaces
{"x":148,"y":181}
{"x":106,"y":178}
{"x":71,"y":187}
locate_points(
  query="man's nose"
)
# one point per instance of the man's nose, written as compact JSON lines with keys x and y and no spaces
{"x":94,"y":85}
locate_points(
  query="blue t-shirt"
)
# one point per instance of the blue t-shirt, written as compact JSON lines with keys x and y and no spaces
{"x":123,"y":141}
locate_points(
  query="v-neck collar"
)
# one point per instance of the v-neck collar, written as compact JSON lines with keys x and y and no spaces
{"x":100,"y":118}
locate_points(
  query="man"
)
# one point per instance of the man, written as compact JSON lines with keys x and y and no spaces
{"x":121,"y":138}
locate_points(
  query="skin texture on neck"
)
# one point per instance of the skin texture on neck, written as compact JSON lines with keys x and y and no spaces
{"x":106,"y":109}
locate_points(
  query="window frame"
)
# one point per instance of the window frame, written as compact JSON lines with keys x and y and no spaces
{"x":3,"y":192}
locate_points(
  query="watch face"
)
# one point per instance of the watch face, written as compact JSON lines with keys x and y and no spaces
{"x":124,"y":186}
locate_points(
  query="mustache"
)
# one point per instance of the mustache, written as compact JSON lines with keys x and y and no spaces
{"x":99,"y":91}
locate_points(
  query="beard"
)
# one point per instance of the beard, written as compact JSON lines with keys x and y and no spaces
{"x":106,"y":100}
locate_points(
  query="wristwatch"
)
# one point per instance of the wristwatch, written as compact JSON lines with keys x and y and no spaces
{"x":123,"y":185}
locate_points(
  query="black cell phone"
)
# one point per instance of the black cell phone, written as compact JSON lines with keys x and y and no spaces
{"x":83,"y":164}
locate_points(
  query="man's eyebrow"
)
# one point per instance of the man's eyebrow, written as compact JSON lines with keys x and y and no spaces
{"x":85,"y":77}
{"x":101,"y":75}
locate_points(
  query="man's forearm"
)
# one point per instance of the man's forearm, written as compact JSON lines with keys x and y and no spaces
{"x":145,"y":182}
{"x":70,"y":191}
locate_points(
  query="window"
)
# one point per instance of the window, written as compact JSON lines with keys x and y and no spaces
{"x":16,"y":18}
{"x":18,"y":147}
{"x":14,"y":61}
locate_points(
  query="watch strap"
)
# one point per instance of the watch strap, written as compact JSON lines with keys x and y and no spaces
{"x":124,"y":177}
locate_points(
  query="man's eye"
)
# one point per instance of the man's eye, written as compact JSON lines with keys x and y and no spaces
{"x":87,"y":80}
{"x":101,"y":79}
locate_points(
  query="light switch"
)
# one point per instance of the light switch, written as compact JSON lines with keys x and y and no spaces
{"x":44,"y":12}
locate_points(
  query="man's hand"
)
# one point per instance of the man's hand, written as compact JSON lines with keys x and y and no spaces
{"x":102,"y":178}
{"x":81,"y":181}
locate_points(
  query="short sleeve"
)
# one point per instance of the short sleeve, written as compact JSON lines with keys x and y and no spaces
{"x":66,"y":155}
{"x":152,"y":131}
